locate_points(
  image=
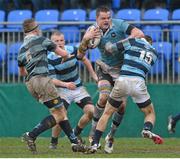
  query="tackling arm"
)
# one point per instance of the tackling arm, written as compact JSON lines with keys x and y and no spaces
{"x":88,"y":65}
{"x":59,"y":83}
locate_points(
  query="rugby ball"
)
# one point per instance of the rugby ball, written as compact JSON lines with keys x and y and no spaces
{"x":93,"y":43}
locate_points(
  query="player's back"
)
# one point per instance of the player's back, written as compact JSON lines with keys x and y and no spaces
{"x":139,"y":57}
{"x":33,"y":53}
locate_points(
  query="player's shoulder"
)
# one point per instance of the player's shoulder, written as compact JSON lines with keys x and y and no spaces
{"x":70,"y":49}
{"x":117,"y":21}
{"x":52,"y":56}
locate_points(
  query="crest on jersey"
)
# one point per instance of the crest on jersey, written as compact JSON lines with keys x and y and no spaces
{"x":55,"y":101}
{"x":113,"y":34}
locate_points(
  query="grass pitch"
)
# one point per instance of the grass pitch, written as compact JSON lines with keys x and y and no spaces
{"x":123,"y":148}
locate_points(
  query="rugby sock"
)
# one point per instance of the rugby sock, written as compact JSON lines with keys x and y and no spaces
{"x":54,"y":140}
{"x":117,"y":118}
{"x":176,"y":118}
{"x":66,"y":127}
{"x":77,"y":130}
{"x":148,"y":126}
{"x":97,"y":137}
{"x":44,"y":125}
{"x":96,"y":116}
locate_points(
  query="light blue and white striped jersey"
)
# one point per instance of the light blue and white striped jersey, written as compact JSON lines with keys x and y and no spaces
{"x":116,"y":32}
{"x":66,"y":71}
{"x":139,"y":57}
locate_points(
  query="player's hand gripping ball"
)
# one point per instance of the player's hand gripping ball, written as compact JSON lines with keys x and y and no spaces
{"x":93,"y":43}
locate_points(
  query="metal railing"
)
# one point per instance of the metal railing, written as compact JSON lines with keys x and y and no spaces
{"x":167,"y":69}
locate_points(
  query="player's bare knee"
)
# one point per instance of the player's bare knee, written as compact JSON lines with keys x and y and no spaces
{"x":89,"y":110}
{"x":103,"y":100}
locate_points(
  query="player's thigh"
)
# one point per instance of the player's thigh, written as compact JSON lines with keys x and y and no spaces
{"x":120,"y":90}
{"x":140,"y":94}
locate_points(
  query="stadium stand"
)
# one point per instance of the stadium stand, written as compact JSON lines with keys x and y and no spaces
{"x":12,"y":58}
{"x":155,"y":30}
{"x":2,"y":18}
{"x":177,"y":58}
{"x":47,"y":15}
{"x":165,"y":48}
{"x":74,"y":14}
{"x":129,"y":14}
{"x":2,"y":52}
{"x":17,"y":16}
{"x":175,"y":36}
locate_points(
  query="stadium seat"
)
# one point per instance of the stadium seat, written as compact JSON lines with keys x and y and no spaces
{"x":72,"y":34}
{"x":176,"y":59}
{"x":165,"y":48}
{"x":14,"y":49}
{"x":2,"y":18}
{"x":74,"y":15}
{"x":12,"y":58}
{"x":2,"y":52}
{"x":159,"y":67}
{"x":156,"y":14}
{"x":176,"y":14}
{"x":175,"y":33}
{"x":92,"y":15}
{"x":116,"y":4}
{"x":154,"y":31}
{"x":129,"y":14}
{"x":175,"y":29}
{"x":47,"y":16}
{"x":13,"y":67}
{"x":17,"y":16}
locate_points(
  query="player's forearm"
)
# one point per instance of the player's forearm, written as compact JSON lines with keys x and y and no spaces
{"x":136,"y":33}
{"x":59,"y":83}
{"x":61,"y":52}
{"x":83,"y":47}
{"x":89,"y":67}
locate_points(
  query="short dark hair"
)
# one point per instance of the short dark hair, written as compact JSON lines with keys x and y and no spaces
{"x":148,"y":38}
{"x":102,"y":9}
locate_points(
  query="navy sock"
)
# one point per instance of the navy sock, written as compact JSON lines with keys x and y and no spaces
{"x":97,"y":137}
{"x":66,"y":127}
{"x":148,"y":126}
{"x":176,"y":118}
{"x":44,"y":125}
{"x":77,"y":130}
{"x":54,"y":140}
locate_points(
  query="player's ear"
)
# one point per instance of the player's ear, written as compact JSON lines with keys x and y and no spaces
{"x":148,"y":38}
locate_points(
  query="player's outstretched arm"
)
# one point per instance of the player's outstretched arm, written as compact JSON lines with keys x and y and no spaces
{"x":59,"y":83}
{"x":88,"y":65}
{"x":136,"y":33}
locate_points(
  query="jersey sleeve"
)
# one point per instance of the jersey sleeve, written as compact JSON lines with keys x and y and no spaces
{"x":49,"y":45}
{"x":123,"y":45}
{"x":21,"y":58}
{"x":124,"y":26}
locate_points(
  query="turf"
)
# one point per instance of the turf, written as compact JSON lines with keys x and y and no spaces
{"x":123,"y":148}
